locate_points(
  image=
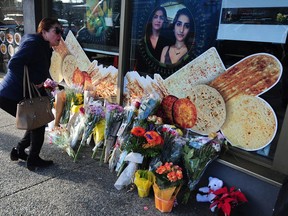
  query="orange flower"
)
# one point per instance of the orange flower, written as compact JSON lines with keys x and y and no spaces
{"x":168,"y":166}
{"x":138,"y":131}
{"x":172,"y":176}
{"x":179,"y":174}
{"x":153,"y":137}
{"x":161,"y":169}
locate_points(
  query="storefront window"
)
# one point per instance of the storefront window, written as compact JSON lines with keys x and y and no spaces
{"x":217,"y":24}
{"x":95,"y":23}
{"x":11,"y":30}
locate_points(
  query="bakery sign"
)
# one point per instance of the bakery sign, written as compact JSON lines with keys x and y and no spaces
{"x":222,"y":99}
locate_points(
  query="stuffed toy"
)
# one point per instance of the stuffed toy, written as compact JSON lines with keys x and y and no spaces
{"x":207,"y":194}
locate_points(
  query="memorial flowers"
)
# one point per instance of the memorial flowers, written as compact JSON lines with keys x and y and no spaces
{"x":168,"y":181}
{"x":94,"y":113}
{"x":113,"y":118}
{"x":227,"y":199}
{"x":60,"y":137}
{"x":198,"y":153}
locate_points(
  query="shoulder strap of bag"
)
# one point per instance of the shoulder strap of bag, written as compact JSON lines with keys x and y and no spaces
{"x":29,"y":85}
{"x":26,"y":81}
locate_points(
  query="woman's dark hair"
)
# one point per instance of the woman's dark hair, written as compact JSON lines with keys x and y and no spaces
{"x":46,"y":24}
{"x":149,"y":25}
{"x":186,"y":12}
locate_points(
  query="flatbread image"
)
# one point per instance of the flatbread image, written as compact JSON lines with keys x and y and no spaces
{"x":201,"y":70}
{"x":254,"y":75}
{"x":75,"y":49}
{"x":56,"y":67}
{"x":251,"y":123}
{"x":61,"y":49}
{"x":68,"y":67}
{"x":210,"y":106}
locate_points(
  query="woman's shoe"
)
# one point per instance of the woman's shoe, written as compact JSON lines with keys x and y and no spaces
{"x":15,"y":155}
{"x":36,"y":162}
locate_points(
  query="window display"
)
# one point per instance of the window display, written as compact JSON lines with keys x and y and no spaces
{"x":94,"y":23}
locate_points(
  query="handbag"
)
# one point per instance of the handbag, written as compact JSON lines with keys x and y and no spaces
{"x":33,"y":112}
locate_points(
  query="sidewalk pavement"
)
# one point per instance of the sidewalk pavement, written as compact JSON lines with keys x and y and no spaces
{"x":69,"y":188}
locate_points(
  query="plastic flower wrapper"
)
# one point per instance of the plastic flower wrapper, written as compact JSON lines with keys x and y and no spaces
{"x":77,"y":128}
{"x":128,"y":173}
{"x":77,"y":103}
{"x":173,"y":143}
{"x":71,"y":99}
{"x":113,"y":118}
{"x":227,"y":199}
{"x":148,"y":107}
{"x":168,"y":181}
{"x":94,"y":114}
{"x":144,"y":179}
{"x":130,"y":112}
{"x":98,"y":136}
{"x":60,"y":137}
{"x":197,"y":155}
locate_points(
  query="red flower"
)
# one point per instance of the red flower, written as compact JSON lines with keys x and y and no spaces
{"x":227,"y":199}
{"x":138,"y":131}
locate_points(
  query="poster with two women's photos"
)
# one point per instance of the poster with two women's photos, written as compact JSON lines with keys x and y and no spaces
{"x":169,"y":34}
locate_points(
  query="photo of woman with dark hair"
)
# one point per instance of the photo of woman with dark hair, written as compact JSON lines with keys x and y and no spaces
{"x":154,"y":40}
{"x":182,"y":28}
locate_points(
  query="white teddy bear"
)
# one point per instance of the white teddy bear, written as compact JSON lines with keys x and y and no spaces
{"x":208,"y":196}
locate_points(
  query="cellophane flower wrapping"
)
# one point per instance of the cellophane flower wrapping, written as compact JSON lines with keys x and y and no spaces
{"x":130,"y":112}
{"x":173,"y":143}
{"x":127,"y":176}
{"x":71,"y":99}
{"x":98,"y":136}
{"x":94,"y":112}
{"x":168,"y":181}
{"x":60,"y":137}
{"x":77,"y":128}
{"x":198,"y":153}
{"x":148,"y":107}
{"x":143,"y":180}
{"x":113,"y":118}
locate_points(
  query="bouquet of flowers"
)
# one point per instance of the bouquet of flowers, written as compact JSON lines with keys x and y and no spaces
{"x":147,"y":143}
{"x":173,"y":143}
{"x":168,"y":181}
{"x":148,"y":107}
{"x":94,"y":113}
{"x":113,"y":118}
{"x":168,"y":175}
{"x":128,"y":118}
{"x":198,"y":154}
{"x":50,"y":87}
{"x":226,"y":199}
{"x":72,"y":98}
{"x":60,"y":137}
